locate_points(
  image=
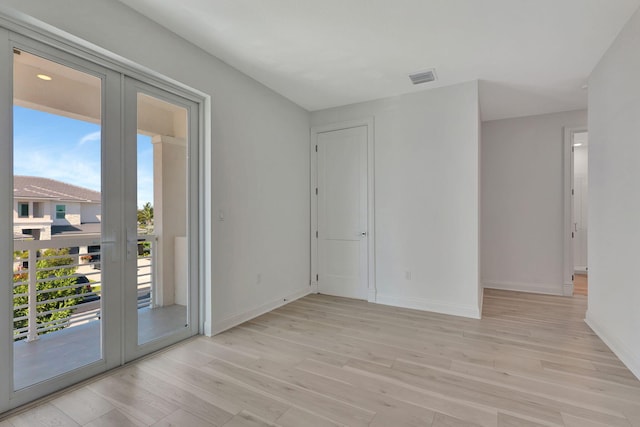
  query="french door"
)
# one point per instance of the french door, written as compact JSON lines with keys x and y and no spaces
{"x":160,"y":218}
{"x":99,"y":258}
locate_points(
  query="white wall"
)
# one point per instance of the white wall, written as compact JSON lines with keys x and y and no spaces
{"x":91,"y":212}
{"x":614,"y":196}
{"x":426,"y":196}
{"x":522,"y":201}
{"x":259,"y":159}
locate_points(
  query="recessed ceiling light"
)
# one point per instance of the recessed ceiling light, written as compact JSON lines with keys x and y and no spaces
{"x":44,"y":77}
{"x":578,"y":144}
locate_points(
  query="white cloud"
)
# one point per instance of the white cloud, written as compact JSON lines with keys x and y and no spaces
{"x":93,"y":136}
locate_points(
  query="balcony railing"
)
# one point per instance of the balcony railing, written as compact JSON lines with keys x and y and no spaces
{"x":75,"y":296}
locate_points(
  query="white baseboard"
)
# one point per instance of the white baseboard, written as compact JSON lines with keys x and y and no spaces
{"x":619,"y":348}
{"x":237,"y":319}
{"x":371,"y":297}
{"x":567,"y":289}
{"x":536,"y":288}
{"x":430,"y":305}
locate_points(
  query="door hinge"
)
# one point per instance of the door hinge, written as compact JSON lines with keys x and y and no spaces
{"x":317,"y":277}
{"x":572,"y":277}
{"x":316,"y":148}
{"x":572,"y":234}
{"x":316,"y":191}
{"x":316,"y":234}
{"x":573,"y":149}
{"x":573,"y":192}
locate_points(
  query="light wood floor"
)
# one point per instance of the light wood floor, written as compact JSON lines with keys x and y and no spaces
{"x":326,"y":361}
{"x":580,"y":284}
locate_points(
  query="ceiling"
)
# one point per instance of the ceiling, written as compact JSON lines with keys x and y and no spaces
{"x":531,"y":56}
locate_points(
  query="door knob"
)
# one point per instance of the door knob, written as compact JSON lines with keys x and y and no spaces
{"x":363,"y":234}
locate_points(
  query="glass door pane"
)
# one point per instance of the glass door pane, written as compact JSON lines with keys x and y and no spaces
{"x":57,"y":219}
{"x":162,"y":280}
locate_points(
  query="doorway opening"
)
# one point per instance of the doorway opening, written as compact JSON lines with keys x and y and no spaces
{"x":579,"y":220}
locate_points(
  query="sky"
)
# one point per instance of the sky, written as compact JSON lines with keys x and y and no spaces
{"x":57,"y":147}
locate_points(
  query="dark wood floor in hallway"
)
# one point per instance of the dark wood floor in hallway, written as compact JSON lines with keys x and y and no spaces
{"x":327,"y":361}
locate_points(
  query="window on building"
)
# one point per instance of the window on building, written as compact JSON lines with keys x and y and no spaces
{"x":61,"y":211}
{"x":23,"y":210}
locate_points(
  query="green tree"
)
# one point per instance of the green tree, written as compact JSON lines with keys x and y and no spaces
{"x":53,"y":267}
{"x":145,"y":217}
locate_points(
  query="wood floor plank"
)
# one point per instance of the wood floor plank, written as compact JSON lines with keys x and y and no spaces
{"x":83,"y":405}
{"x":350,"y":347}
{"x":296,"y":417}
{"x":442,"y":420}
{"x":430,"y":399}
{"x":155,"y":383}
{"x":567,"y":392}
{"x":504,"y":397}
{"x":574,"y":421}
{"x":506,"y":420}
{"x":133,"y":400}
{"x":299,"y":396}
{"x":325,"y":361}
{"x":337,"y":389}
{"x":488,"y":396}
{"x":217,"y":391}
{"x":45,"y":415}
{"x":182,"y":418}
{"x":115,"y":418}
{"x":247,"y":419}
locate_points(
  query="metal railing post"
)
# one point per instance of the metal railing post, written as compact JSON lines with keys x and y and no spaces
{"x":154,"y":290}
{"x":32,"y":333}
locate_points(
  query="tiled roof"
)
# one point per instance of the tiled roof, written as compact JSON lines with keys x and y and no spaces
{"x":32,"y":187}
{"x":82,"y":229}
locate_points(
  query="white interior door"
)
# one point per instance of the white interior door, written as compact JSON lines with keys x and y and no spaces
{"x":342,"y":212}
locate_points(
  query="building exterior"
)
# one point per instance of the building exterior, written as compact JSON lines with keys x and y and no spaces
{"x":45,"y":209}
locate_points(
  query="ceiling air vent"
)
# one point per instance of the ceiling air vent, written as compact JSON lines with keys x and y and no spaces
{"x":423,"y":76}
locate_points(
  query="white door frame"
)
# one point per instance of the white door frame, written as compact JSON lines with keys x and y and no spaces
{"x":315,"y":130}
{"x":567,"y":276}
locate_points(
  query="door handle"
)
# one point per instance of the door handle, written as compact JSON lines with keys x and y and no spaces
{"x":363,"y":234}
{"x":132,"y":243}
